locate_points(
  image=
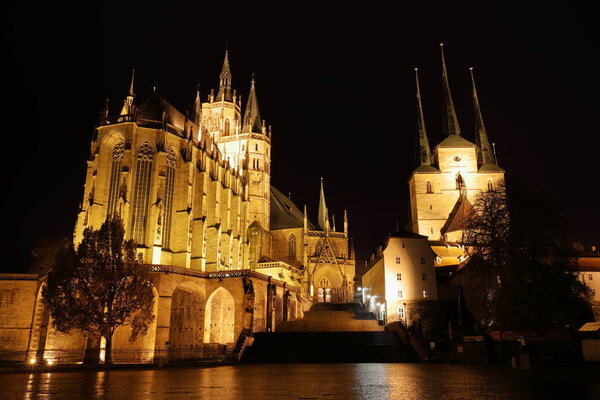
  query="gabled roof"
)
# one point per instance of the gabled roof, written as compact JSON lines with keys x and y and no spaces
{"x":426,"y":169}
{"x":459,"y":217}
{"x":284,"y":213}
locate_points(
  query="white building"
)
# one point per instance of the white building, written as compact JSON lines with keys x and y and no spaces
{"x":400,"y":278}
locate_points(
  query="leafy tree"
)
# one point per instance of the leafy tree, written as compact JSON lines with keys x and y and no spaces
{"x":43,"y":257}
{"x":522,"y":268}
{"x":100,"y":286}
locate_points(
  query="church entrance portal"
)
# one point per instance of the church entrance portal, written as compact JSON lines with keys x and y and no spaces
{"x":219,"y":322}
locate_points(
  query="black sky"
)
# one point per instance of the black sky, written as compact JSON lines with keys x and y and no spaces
{"x":335,"y":81}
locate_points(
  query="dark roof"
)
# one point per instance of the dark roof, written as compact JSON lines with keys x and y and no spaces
{"x":489,"y":167}
{"x":458,"y":219}
{"x":151,"y":109}
{"x":426,"y":169}
{"x":284,"y":213}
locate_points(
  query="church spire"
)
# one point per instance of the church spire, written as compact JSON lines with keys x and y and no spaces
{"x":323,"y":213}
{"x":484,"y":150}
{"x":424,"y":153}
{"x":252,"y":121}
{"x":450,"y":121}
{"x":197,"y":112}
{"x":224,"y":93}
{"x":128,"y":107}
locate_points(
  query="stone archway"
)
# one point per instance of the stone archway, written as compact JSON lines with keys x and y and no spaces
{"x":219,"y":321}
{"x":328,"y":283}
{"x":185,"y":327}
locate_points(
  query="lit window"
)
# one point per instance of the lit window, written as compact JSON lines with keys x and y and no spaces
{"x":422,"y":260}
{"x":423,"y":277}
{"x":169,"y":188}
{"x":424,"y":294}
{"x":115,"y":178}
{"x":292,"y":246}
{"x":397,"y":260}
{"x":399,"y":276}
{"x":141,"y":194}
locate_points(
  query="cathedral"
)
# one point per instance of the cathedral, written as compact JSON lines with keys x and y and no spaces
{"x":194,"y":191}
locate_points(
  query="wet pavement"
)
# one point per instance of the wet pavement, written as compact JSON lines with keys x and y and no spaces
{"x":311,"y":381}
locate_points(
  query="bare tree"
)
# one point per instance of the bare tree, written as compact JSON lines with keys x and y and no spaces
{"x":100,"y":286}
{"x":521,"y":272}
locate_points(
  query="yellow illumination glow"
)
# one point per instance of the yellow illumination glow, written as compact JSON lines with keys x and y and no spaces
{"x":32,"y":361}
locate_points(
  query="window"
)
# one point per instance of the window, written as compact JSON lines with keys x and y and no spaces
{"x":429,"y":187}
{"x":169,"y":186}
{"x":115,"y":178}
{"x":292,"y":246}
{"x":431,"y":206}
{"x":593,"y":292}
{"x":424,"y":294}
{"x":400,"y":293}
{"x":403,"y":245}
{"x":227,"y":127}
{"x":422,"y":260}
{"x":256,"y":147}
{"x":401,"y":313}
{"x":397,"y":260}
{"x":399,"y":276}
{"x":590,"y":277}
{"x":141,"y":194}
{"x":423,"y":277}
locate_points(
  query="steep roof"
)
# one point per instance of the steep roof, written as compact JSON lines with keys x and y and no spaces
{"x":455,"y":141}
{"x":284,"y":213}
{"x":463,"y":210}
{"x":152,"y":108}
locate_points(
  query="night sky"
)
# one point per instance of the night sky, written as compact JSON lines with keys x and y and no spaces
{"x":335,"y":81}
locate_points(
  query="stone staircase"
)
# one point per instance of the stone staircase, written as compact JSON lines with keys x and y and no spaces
{"x":329,"y":333}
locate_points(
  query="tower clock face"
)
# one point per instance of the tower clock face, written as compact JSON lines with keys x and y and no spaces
{"x":457,"y":158}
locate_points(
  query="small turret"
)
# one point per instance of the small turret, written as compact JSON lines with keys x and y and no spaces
{"x":345,"y":223}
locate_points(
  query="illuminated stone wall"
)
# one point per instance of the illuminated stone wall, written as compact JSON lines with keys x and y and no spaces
{"x":17,"y":301}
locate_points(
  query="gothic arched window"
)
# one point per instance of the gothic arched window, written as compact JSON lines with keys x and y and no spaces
{"x":141,"y":193}
{"x":169,"y":186}
{"x":292,"y":246}
{"x":227,"y":127}
{"x":115,"y":178}
{"x":429,"y":187}
{"x":490,"y":186}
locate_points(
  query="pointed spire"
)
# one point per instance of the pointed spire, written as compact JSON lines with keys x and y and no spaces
{"x":323,"y":213}
{"x":104,"y":115}
{"x":197,"y":112}
{"x":252,"y":121}
{"x":450,"y":121}
{"x":484,"y":150}
{"x":131,"y":86}
{"x":333,"y":222}
{"x":224,"y":93}
{"x":346,"y":222}
{"x":305,"y":219}
{"x":423,"y":153}
{"x":128,"y":107}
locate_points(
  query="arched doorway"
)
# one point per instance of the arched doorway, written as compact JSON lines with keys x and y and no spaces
{"x":219,"y":321}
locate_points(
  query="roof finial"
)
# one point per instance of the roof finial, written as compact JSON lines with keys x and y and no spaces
{"x":225,"y":80}
{"x":450,"y":121}
{"x":423,"y":151}
{"x":484,"y":150}
{"x":197,"y":113}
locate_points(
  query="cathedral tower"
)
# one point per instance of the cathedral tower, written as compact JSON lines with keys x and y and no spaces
{"x":244,"y":143}
{"x":446,"y":183}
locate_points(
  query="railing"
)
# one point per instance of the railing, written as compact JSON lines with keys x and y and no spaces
{"x":214,"y":274}
{"x":323,"y":234}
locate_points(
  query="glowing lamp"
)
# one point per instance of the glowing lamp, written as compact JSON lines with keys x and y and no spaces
{"x":32,"y":361}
